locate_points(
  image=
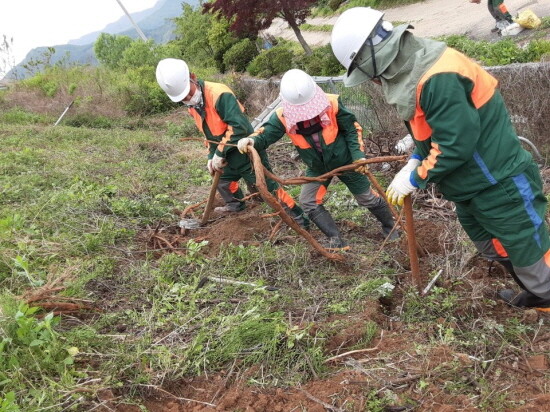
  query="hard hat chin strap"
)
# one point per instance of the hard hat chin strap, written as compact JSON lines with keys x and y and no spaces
{"x":373,"y":58}
{"x":374,"y":76}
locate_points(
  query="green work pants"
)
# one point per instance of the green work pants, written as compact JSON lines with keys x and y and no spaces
{"x":499,"y":11}
{"x":506,"y":221}
{"x":239,"y":166}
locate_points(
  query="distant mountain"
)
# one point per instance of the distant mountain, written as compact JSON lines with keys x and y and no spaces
{"x":155,"y":23}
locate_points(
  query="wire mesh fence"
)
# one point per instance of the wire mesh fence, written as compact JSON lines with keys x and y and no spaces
{"x":525,"y":88}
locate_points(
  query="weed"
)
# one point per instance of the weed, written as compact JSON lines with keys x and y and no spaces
{"x":440,"y":303}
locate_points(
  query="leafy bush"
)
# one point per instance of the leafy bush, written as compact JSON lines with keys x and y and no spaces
{"x":43,"y":82}
{"x":321,"y":63}
{"x":271,"y":62}
{"x":239,"y":55}
{"x":537,"y":49}
{"x":140,"y":93}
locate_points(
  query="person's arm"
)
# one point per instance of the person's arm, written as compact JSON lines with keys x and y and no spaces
{"x":455,"y":126}
{"x":239,"y":126}
{"x":270,"y":132}
{"x":351,"y":131}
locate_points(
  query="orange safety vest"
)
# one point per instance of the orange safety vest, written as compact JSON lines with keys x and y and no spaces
{"x":330,"y":131}
{"x":451,"y":61}
{"x":211,"y":93}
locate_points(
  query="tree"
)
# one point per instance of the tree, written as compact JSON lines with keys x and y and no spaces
{"x":248,"y":17}
{"x":109,"y":49}
{"x":192,"y":37}
{"x":7,"y":61}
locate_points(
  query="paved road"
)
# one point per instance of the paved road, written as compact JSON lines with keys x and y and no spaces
{"x":431,"y":18}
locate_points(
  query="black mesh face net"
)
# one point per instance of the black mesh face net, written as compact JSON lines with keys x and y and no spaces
{"x":378,"y":35}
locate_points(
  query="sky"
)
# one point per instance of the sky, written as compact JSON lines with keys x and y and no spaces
{"x":36,"y":23}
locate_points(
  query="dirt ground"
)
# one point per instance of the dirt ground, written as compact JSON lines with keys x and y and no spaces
{"x":351,"y":376}
{"x":523,"y":379}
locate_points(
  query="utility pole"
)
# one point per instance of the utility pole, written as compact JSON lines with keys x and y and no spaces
{"x":132,"y":21}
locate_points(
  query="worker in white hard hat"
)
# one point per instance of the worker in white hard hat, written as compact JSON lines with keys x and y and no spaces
{"x":464,"y":142}
{"x":220,"y":117}
{"x":327,"y":136}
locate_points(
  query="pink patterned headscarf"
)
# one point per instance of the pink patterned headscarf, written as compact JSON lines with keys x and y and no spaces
{"x":317,"y":106}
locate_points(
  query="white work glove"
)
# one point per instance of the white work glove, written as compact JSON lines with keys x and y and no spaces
{"x":401,"y":185}
{"x":404,"y":145}
{"x":362,"y":168}
{"x":218,"y":163}
{"x":243,"y":144}
{"x":210,"y":168}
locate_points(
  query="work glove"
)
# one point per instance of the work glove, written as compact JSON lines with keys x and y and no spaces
{"x":218,"y":163}
{"x":243,"y":144}
{"x":401,"y":184}
{"x":361,"y":168}
{"x":404,"y":145}
{"x":210,"y":168}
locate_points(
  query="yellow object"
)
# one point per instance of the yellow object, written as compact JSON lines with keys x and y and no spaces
{"x":528,"y":19}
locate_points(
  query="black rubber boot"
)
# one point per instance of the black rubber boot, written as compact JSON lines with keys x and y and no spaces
{"x":326,"y":224}
{"x":382,"y":212}
{"x":524,"y":299}
{"x":298,"y":215}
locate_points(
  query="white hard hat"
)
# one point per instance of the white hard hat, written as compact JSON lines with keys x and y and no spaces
{"x":297,"y":87}
{"x":351,"y":30}
{"x":173,"y":78}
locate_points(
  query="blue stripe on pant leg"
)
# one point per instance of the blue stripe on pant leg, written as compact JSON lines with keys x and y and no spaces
{"x":527,"y":195}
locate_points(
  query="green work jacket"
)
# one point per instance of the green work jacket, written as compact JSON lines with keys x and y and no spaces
{"x":229,"y":110}
{"x":345,"y":148}
{"x":474,"y":148}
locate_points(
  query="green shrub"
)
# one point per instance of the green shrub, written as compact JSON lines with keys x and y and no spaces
{"x":89,"y":120}
{"x":140,"y":93}
{"x":271,"y":62}
{"x":537,"y":49}
{"x":239,"y":55}
{"x":321,"y":63}
{"x":43,"y":82}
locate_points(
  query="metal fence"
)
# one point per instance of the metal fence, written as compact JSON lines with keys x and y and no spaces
{"x":525,"y":88}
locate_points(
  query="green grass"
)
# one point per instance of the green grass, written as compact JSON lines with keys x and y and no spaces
{"x":313,"y":27}
{"x":77,"y":203}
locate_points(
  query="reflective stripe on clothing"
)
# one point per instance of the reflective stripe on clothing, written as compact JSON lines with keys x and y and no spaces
{"x":211,"y":92}
{"x":512,"y":211}
{"x":285,"y":198}
{"x":503,"y":9}
{"x":359,"y":136}
{"x":454,"y":62}
{"x":430,"y":162}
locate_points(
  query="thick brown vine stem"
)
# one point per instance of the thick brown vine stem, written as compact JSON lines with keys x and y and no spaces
{"x":302,"y":180}
{"x":381,"y":192}
{"x":415,"y":270}
{"x":274,"y":203}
